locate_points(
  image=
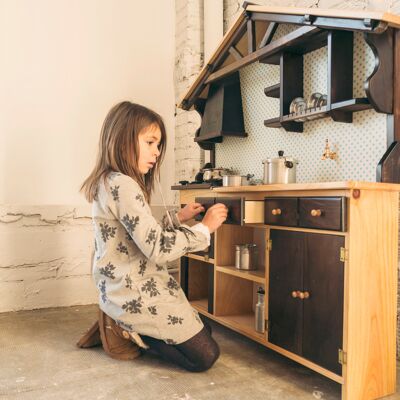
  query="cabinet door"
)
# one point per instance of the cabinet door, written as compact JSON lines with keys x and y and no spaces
{"x":323,"y":310}
{"x":285,"y":312}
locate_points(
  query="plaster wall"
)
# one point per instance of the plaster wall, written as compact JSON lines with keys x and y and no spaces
{"x":64,"y":65}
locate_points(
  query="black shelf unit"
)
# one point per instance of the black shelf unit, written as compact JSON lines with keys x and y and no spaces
{"x":346,"y":106}
{"x":340,"y":102}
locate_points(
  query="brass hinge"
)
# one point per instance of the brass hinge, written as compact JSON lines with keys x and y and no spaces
{"x":344,"y":254}
{"x":269,"y":245}
{"x":267,"y":325}
{"x":342,"y":357}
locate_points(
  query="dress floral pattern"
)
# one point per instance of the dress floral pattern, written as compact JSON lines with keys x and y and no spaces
{"x":135,"y":289}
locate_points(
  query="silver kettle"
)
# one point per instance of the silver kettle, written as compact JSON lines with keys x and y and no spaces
{"x":280,"y":169}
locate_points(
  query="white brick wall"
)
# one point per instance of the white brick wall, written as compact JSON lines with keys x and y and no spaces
{"x":188,"y":63}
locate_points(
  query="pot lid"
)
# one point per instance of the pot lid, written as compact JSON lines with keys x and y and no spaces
{"x":280,"y":159}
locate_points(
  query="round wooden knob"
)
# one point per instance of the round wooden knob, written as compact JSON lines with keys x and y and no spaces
{"x":306,"y":295}
{"x":301,"y":295}
{"x":294,"y":294}
{"x":316,"y":213}
{"x":276,"y":211}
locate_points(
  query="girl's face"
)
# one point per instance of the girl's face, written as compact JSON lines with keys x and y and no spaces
{"x":149,"y":141}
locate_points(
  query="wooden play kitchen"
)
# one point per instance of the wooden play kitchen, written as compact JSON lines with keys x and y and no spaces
{"x":327,"y":252}
{"x":328,"y":263}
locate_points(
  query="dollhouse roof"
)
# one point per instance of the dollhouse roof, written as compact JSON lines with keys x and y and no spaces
{"x":251,"y":39}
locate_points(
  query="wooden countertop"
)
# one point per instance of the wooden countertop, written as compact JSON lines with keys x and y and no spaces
{"x":310,"y":186}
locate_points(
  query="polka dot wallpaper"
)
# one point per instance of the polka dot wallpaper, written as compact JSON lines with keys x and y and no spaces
{"x":359,"y":145}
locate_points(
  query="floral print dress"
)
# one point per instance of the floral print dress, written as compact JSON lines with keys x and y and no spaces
{"x":131,"y":249}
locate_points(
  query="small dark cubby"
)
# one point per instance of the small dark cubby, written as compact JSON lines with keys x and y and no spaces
{"x":197,"y":282}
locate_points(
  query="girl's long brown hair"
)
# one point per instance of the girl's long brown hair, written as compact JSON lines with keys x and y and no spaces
{"x":119,"y":147}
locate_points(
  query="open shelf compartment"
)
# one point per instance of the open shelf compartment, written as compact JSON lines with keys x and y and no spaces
{"x":230,"y":235}
{"x":301,"y":41}
{"x":197,"y":281}
{"x":235,"y":300}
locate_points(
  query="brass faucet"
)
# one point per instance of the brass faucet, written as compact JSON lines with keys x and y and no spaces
{"x":328,"y":154}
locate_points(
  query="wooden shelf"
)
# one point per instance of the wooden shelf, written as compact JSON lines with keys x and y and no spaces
{"x":200,"y":305}
{"x":273,"y":123}
{"x":200,"y":258}
{"x":296,"y":42}
{"x":348,"y":106}
{"x":273,"y":91}
{"x":352,"y":105}
{"x":243,"y":323}
{"x":308,"y":115}
{"x":255,"y":276}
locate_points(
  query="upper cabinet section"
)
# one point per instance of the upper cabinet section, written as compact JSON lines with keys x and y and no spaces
{"x":251,"y":39}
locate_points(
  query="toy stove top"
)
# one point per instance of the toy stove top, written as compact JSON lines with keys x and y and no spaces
{"x":198,"y":185}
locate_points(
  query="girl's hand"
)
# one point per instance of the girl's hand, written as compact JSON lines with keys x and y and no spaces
{"x":189,"y":211}
{"x":215,"y":216}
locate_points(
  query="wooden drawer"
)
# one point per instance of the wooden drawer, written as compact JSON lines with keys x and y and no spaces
{"x":280,"y":211}
{"x":207,"y":202}
{"x":253,"y":212}
{"x":240,"y":211}
{"x":323,"y":213}
{"x":235,"y":209}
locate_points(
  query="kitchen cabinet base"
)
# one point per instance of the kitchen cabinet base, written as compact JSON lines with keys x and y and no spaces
{"x":244,"y":324}
{"x":367,"y":263}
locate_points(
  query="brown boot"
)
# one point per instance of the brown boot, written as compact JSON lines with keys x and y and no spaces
{"x":91,"y":338}
{"x":116,"y":341}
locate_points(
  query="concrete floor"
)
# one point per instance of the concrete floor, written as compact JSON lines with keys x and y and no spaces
{"x":39,"y":360}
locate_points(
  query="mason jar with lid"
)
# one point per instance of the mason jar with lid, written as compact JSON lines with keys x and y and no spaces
{"x":246,"y":256}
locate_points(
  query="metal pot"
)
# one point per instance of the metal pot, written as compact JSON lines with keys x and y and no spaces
{"x":246,"y":256}
{"x":211,"y":174}
{"x":236,"y":180}
{"x":280,"y":170}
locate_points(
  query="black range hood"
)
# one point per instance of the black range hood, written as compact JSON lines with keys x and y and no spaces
{"x":223,"y":113}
